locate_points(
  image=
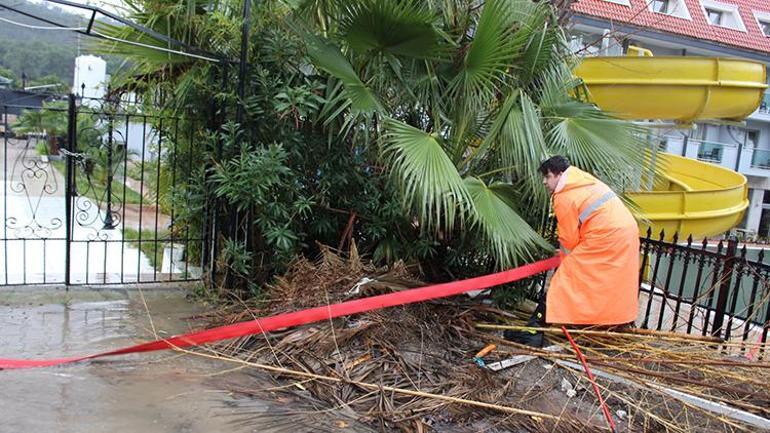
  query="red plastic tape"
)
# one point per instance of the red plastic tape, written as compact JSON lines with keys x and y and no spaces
{"x":310,"y":315}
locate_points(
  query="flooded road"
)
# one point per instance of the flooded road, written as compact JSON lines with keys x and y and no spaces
{"x":156,"y":392}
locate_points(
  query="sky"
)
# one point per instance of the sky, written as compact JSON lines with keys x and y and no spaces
{"x":108,"y":5}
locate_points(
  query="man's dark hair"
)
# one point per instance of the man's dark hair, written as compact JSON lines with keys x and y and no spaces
{"x":555,"y":164}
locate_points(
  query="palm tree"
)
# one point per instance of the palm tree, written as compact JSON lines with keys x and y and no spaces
{"x":151,"y":65}
{"x":458,"y":99}
{"x":51,"y":119}
{"x":465,"y":99}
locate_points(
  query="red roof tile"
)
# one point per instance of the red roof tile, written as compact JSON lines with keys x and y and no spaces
{"x":639,"y":14}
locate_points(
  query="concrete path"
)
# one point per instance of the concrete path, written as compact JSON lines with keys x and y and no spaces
{"x":160,"y":392}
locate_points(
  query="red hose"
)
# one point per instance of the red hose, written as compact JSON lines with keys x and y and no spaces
{"x":309,"y":315}
{"x":582,"y":359}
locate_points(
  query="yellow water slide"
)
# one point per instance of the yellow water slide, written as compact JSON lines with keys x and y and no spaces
{"x":694,"y":197}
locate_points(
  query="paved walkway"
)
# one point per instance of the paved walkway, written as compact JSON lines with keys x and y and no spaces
{"x":148,"y":393}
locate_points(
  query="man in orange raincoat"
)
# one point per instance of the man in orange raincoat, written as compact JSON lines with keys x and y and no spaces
{"x":597,"y":282}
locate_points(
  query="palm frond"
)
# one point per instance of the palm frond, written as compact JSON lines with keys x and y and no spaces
{"x":397,"y":27}
{"x":516,"y":136}
{"x":557,"y":85}
{"x":510,"y":237}
{"x":428,"y":179}
{"x":594,"y":141}
{"x":328,"y":57}
{"x":545,"y":45}
{"x":323,"y":13}
{"x":488,"y":58}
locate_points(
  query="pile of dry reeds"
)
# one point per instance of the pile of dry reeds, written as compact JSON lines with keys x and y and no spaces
{"x":410,"y":368}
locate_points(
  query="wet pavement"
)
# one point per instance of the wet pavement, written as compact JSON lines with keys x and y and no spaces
{"x":146,"y":393}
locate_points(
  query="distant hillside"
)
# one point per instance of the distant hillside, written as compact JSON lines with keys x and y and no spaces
{"x":40,"y":52}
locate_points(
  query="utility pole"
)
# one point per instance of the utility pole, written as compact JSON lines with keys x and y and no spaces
{"x":244,"y":60}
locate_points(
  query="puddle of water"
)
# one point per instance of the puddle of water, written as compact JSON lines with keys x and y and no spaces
{"x":162,"y":392}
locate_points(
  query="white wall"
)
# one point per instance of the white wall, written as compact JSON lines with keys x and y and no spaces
{"x":754,"y":211}
{"x":135,"y":135}
{"x":90,"y":71}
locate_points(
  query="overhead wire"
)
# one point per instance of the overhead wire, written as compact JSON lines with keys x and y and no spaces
{"x":30,"y":26}
{"x":92,"y":33}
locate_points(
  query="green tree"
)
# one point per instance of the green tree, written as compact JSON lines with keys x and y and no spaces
{"x":51,"y":120}
{"x":7,"y":73}
{"x":413,"y":127}
{"x":464,"y":102}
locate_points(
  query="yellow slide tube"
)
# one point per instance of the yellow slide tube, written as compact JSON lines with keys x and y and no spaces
{"x":681,"y":89}
{"x":695,"y":197}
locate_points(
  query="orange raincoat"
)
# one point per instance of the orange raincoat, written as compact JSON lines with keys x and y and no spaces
{"x":597,"y":282}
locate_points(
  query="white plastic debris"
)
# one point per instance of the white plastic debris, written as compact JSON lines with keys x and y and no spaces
{"x":356,"y":289}
{"x":568,"y":388}
{"x":474,"y":293}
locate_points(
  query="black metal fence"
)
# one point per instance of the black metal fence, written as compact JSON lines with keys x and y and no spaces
{"x":710,"y":288}
{"x":88,"y":194}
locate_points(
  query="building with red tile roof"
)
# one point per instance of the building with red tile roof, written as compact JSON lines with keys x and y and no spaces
{"x":744,"y":26}
{"x":715,"y":28}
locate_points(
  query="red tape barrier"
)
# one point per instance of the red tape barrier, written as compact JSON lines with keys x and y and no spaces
{"x":310,"y":315}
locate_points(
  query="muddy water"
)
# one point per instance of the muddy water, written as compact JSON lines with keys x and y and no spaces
{"x":161,"y":392}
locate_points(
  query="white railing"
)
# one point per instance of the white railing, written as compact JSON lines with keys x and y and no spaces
{"x":747,"y":160}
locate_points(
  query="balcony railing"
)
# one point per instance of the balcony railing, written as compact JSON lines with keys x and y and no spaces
{"x":764,"y":106}
{"x":744,"y":159}
{"x":761,"y":159}
{"x":711,"y":152}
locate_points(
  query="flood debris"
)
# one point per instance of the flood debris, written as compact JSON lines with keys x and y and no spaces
{"x":412,"y":368}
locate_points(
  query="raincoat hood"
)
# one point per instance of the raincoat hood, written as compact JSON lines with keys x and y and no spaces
{"x":573,"y":178}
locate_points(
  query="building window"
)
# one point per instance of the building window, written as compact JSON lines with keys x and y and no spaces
{"x":714,"y":16}
{"x":765,"y":27}
{"x":723,"y":15}
{"x":676,"y":8}
{"x":763,"y":19}
{"x":752,"y":138}
{"x":620,"y":2}
{"x":660,"y":6}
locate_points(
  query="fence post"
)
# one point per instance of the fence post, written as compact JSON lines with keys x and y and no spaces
{"x":658,"y":251}
{"x":69,"y":188}
{"x":724,"y":286}
{"x":214,"y":209}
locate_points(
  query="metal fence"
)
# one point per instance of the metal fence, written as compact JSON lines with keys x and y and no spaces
{"x":710,"y":288}
{"x":87,"y":197}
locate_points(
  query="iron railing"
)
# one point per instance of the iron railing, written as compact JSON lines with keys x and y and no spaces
{"x":711,"y":288}
{"x":760,"y":158}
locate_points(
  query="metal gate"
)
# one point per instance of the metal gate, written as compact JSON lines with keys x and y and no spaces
{"x":87,"y":194}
